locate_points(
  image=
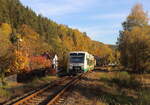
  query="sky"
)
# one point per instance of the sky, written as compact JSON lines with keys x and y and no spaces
{"x":100,"y":19}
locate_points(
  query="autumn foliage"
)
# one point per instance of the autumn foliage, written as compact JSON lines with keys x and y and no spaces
{"x":134,"y":41}
{"x":18,"y":62}
{"x":39,"y":62}
{"x":40,"y":34}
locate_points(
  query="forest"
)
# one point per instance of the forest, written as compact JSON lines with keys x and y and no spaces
{"x":39,"y":34}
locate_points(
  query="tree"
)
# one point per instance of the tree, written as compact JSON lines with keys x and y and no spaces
{"x":137,"y":17}
{"x":133,"y":42}
{"x":41,"y":34}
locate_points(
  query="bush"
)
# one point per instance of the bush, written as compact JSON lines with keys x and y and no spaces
{"x":124,"y":80}
{"x":4,"y":93}
{"x":122,"y":75}
{"x":144,"y":97}
{"x":146,"y":67}
{"x":38,"y":62}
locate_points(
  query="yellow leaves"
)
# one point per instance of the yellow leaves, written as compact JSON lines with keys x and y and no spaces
{"x":18,"y":62}
{"x":138,"y":35}
{"x":6,"y":29}
{"x":137,"y":17}
{"x":138,"y":13}
{"x":136,"y":47}
{"x":4,"y":38}
{"x":28,"y":32}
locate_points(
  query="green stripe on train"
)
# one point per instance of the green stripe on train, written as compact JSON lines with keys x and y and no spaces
{"x":87,"y":69}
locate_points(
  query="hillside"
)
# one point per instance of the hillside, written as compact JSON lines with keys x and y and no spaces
{"x":42,"y":34}
{"x":112,"y":46}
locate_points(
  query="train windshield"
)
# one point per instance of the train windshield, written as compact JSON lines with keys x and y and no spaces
{"x":77,"y":58}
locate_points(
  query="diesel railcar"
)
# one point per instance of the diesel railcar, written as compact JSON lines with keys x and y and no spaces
{"x":79,"y":62}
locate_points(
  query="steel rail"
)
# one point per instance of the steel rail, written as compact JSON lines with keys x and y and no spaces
{"x":53,"y":92}
{"x":71,"y":83}
{"x":34,"y":94}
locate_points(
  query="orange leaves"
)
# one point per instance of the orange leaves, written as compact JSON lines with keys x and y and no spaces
{"x":38,"y":62}
{"x":20,"y":62}
{"x":6,"y":29}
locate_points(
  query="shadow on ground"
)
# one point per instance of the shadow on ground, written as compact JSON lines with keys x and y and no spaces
{"x":100,"y":70}
{"x":105,"y":70}
{"x":98,"y":92}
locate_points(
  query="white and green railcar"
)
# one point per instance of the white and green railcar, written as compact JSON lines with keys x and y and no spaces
{"x":79,"y":62}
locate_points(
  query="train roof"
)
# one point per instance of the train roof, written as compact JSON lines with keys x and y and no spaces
{"x":78,"y":52}
{"x":81,"y":52}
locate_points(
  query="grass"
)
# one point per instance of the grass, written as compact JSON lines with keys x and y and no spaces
{"x":122,"y":80}
{"x":43,"y":80}
{"x":129,"y":88}
{"x":4,"y":93}
{"x":144,"y":97}
{"x":14,"y":89}
{"x":103,"y":90}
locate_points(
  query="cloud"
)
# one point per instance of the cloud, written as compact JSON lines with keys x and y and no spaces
{"x":109,"y":16}
{"x":57,"y":7}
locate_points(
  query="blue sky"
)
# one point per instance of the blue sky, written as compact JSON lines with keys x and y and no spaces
{"x":101,"y":19}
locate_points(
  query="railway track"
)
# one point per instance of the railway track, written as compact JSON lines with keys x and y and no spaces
{"x":49,"y":95}
{"x":60,"y":96}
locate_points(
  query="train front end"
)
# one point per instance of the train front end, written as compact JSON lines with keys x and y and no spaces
{"x":76,"y":63}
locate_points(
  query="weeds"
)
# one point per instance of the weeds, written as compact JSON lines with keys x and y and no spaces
{"x":4,"y":93}
{"x":144,"y":97}
{"x":43,"y":80}
{"x":3,"y":87}
{"x":34,"y":82}
{"x":122,"y":80}
{"x":124,"y":83}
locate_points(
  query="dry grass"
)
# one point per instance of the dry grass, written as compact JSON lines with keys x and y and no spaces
{"x":4,"y":94}
{"x":109,"y":88}
{"x":14,"y":89}
{"x":36,"y":82}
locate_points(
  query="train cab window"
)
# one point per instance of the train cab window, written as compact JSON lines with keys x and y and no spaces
{"x":77,"y":57}
{"x":73,"y":54}
{"x":81,"y":54}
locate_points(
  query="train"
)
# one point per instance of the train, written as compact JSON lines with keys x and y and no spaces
{"x":80,"y":62}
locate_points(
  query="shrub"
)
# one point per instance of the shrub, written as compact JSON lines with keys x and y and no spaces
{"x":4,"y":93}
{"x":144,"y":97}
{"x":146,"y":67}
{"x":122,"y":75}
{"x":124,"y":80}
{"x":18,"y":61}
{"x":38,"y":62}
